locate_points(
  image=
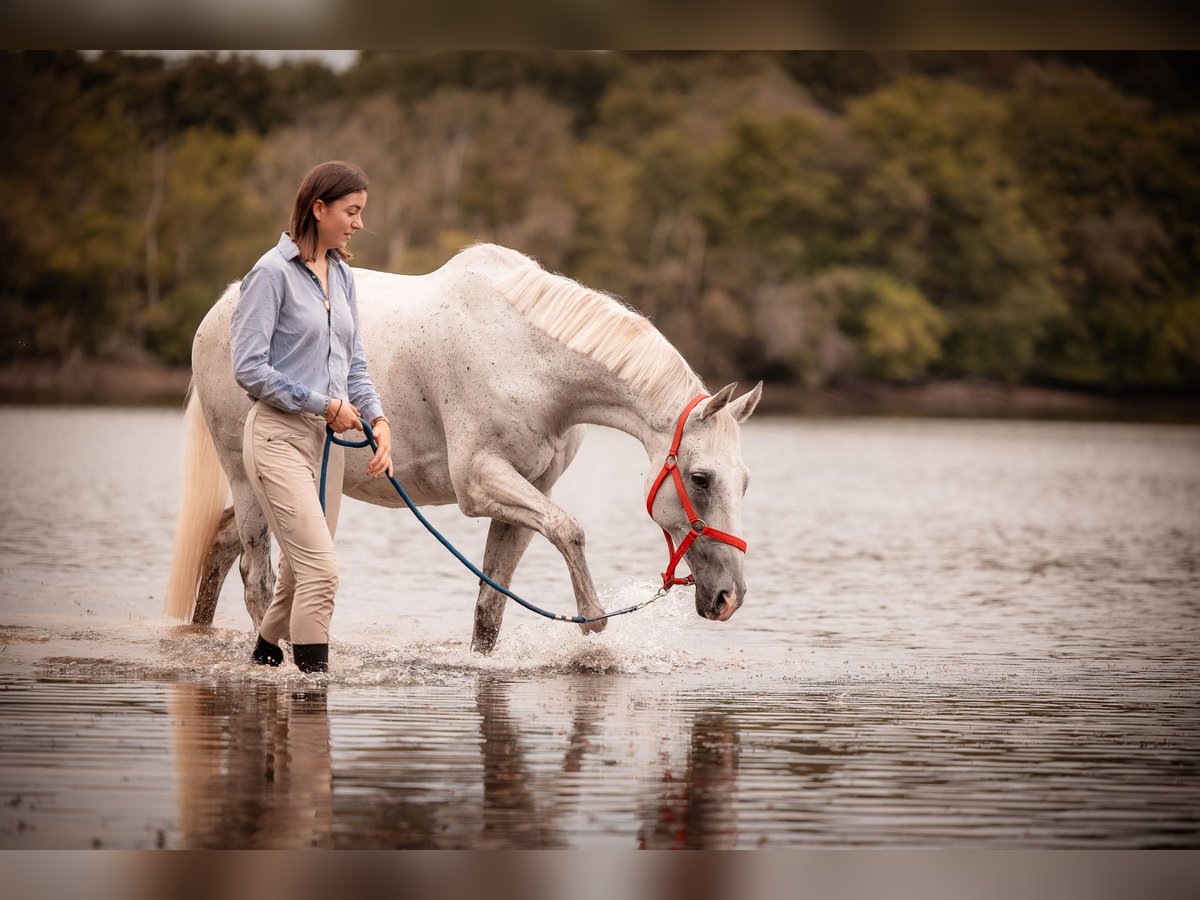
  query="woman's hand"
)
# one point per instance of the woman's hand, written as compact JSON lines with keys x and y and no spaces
{"x":342,"y":415}
{"x":382,"y":460}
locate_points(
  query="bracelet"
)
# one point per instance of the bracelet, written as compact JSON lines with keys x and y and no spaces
{"x":379,"y":419}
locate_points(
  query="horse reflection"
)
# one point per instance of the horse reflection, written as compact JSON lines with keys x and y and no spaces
{"x":256,"y":770}
{"x":520,"y":809}
{"x":254,"y":766}
{"x":697,"y":811}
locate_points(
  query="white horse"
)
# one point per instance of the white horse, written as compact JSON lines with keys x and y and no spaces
{"x":488,"y":367}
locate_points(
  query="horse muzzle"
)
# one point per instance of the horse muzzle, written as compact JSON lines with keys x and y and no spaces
{"x":723,"y":605}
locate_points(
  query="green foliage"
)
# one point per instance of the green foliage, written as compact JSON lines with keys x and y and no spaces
{"x":208,"y":233}
{"x":986,"y":265}
{"x":811,"y":216}
{"x":768,"y":191}
{"x":69,"y":174}
{"x":1117,"y":193}
{"x":897,"y":331}
{"x":574,"y":80}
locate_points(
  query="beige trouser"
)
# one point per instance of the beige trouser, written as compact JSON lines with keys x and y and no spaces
{"x":282,"y":454}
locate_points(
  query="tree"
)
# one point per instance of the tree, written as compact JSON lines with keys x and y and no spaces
{"x":214,"y":227}
{"x":1117,"y":194}
{"x":986,"y":266}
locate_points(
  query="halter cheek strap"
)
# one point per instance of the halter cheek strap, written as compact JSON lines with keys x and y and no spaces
{"x":698,"y":526}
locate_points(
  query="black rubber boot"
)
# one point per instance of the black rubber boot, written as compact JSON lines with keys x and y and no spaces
{"x":311,"y":657}
{"x":266,"y":653}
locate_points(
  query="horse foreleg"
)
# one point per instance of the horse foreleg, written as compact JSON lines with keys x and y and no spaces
{"x":223,"y":551}
{"x":506,"y":544}
{"x":492,"y":487}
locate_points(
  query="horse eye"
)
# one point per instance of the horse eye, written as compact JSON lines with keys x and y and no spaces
{"x":699,"y":479}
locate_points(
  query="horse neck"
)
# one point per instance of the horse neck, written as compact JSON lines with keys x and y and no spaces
{"x":613,"y":403}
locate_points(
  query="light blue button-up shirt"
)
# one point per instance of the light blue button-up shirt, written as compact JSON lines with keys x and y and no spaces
{"x":289,"y":351}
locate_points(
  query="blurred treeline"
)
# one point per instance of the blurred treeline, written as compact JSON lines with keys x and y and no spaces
{"x":813,"y":217}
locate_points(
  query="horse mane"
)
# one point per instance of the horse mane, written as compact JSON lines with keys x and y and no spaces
{"x":598,"y":325}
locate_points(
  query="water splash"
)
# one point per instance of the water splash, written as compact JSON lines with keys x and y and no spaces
{"x":652,"y":641}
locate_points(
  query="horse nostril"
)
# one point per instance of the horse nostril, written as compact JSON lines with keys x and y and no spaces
{"x":725,"y":604}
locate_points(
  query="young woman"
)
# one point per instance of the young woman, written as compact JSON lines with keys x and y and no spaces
{"x":298,"y":354}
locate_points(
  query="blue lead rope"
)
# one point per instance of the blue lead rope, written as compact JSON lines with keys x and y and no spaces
{"x":369,"y":441}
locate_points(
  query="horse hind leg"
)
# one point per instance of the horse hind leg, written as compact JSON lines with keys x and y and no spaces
{"x":257,"y":575}
{"x":224,"y":549}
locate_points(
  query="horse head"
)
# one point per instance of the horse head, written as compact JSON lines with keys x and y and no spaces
{"x":704,"y":462}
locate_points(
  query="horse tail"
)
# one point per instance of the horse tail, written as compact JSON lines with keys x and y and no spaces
{"x":201,"y":503}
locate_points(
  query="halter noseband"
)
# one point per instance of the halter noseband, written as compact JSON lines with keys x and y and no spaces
{"x":698,"y":525}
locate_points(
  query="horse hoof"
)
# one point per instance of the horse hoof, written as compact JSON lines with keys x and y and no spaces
{"x":594,"y":627}
{"x":483,"y":639}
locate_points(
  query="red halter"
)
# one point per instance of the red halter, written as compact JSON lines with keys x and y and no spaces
{"x":699,"y":526}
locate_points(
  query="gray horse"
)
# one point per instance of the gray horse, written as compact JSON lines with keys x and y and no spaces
{"x":489,"y":368}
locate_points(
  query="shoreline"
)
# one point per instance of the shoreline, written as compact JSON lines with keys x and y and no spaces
{"x":93,"y":382}
{"x":975,"y":398}
{"x":105,"y":383}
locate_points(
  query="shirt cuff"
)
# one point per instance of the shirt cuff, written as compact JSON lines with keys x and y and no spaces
{"x":372,"y":411}
{"x":316,"y":404}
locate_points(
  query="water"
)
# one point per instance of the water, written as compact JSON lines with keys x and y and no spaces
{"x":957,"y":633}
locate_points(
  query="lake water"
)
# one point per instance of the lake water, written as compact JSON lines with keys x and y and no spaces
{"x":956,"y":633}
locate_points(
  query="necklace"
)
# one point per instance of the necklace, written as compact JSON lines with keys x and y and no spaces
{"x":316,"y":278}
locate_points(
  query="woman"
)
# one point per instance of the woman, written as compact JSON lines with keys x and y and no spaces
{"x":298,"y":354}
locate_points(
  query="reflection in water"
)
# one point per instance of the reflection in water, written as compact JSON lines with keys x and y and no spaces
{"x":520,"y":807}
{"x":509,"y":798}
{"x":484,"y":761}
{"x":254,"y":766}
{"x":255,"y":769}
{"x":696,"y":812}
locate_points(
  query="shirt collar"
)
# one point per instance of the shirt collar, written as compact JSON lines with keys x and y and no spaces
{"x":287,"y":246}
{"x":290,"y":251}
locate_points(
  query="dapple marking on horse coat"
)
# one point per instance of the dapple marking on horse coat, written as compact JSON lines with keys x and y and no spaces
{"x":489,"y":368}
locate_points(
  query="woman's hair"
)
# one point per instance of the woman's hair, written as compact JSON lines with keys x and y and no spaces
{"x":327,"y":181}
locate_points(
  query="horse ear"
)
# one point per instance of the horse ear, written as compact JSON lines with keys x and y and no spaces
{"x":718,"y":401}
{"x":746,"y":404}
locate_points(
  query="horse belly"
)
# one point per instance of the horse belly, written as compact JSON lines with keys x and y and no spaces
{"x":425,"y":478}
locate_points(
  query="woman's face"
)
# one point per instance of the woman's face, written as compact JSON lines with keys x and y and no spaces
{"x":337,"y":221}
